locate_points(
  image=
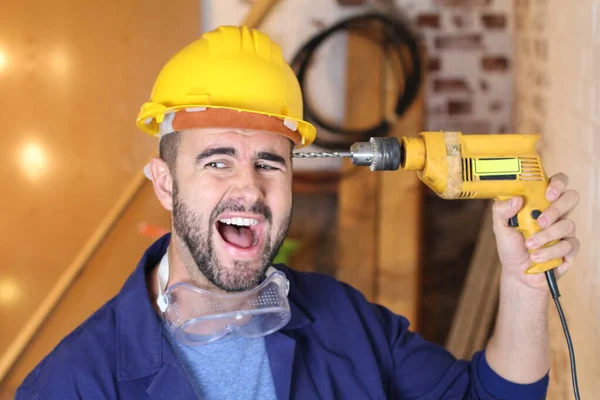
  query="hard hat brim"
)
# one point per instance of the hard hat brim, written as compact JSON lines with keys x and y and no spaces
{"x":152,"y":114}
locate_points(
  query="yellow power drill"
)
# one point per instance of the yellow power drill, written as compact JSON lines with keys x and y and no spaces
{"x":457,"y":166}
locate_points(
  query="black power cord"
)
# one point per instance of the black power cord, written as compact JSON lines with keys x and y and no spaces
{"x":396,"y":36}
{"x":553,"y":285}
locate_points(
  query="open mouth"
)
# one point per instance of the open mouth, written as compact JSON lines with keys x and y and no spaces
{"x":240,"y":232}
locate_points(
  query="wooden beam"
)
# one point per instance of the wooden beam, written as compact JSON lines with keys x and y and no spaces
{"x":379,"y":226}
{"x":357,"y":222}
{"x":478,"y":302}
{"x":258,"y":12}
{"x":400,"y":210}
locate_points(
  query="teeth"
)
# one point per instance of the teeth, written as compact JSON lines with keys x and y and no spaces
{"x":238,"y":221}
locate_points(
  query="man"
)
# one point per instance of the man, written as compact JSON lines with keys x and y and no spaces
{"x":205,"y":314}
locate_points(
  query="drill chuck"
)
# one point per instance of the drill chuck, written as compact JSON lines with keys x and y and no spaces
{"x":379,"y":154}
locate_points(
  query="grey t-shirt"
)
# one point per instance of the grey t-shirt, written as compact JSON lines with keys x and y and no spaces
{"x":229,"y":368}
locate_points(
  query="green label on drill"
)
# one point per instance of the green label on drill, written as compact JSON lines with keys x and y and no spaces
{"x":496,"y":166}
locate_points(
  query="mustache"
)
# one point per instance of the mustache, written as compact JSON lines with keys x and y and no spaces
{"x":259,"y":208}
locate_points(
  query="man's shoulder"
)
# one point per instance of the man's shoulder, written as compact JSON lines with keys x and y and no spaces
{"x":323,"y":290}
{"x":304,"y":280}
{"x":323,"y":294}
{"x":88,"y":351}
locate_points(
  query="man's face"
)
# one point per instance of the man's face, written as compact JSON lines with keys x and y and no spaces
{"x":232,"y":202}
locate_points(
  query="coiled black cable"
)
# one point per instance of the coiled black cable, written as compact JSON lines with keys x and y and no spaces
{"x":396,"y":36}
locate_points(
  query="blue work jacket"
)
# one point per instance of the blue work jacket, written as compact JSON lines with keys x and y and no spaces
{"x":337,"y":345}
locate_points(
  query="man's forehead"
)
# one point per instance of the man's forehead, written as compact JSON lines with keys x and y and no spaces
{"x":204,"y":137}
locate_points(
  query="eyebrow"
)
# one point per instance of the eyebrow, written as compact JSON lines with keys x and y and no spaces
{"x":223,"y":151}
{"x":230,"y":151}
{"x":265,"y":155}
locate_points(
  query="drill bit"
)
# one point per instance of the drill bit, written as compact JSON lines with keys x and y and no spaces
{"x":379,"y":154}
{"x":323,"y":154}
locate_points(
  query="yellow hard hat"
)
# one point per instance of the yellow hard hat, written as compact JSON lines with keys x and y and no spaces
{"x":231,"y":77}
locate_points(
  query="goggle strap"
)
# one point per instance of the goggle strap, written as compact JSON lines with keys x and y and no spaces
{"x":163,"y":278}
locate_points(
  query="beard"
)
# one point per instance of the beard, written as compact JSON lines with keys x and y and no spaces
{"x":243,"y":276}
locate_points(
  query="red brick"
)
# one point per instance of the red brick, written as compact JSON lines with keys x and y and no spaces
{"x":434,"y":64}
{"x":462,"y":3}
{"x":351,"y":2}
{"x":460,"y":42}
{"x":428,"y":20}
{"x":462,"y":21}
{"x":436,"y":110}
{"x":459,"y":107}
{"x":494,"y":63}
{"x":494,"y":21}
{"x":450,"y":85}
{"x":496,"y":105}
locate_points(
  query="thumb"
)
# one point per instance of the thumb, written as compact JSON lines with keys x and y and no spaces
{"x":503,"y":210}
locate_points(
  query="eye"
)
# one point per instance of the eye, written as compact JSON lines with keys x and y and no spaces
{"x":216,"y":165}
{"x":266,"y":167}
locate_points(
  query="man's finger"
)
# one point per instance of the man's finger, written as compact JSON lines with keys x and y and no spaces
{"x":576,"y":244}
{"x":559,"y":208}
{"x":558,"y":184}
{"x":562,"y":229}
{"x":562,"y":269}
{"x":565,"y":248}
{"x":503,"y":210}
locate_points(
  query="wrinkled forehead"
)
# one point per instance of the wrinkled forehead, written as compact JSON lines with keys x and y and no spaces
{"x":245,"y":138}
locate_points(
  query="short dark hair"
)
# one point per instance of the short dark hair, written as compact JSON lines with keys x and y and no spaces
{"x":167,"y":150}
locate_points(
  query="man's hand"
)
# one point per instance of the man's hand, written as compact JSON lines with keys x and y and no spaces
{"x":514,"y":251}
{"x":519,"y":349}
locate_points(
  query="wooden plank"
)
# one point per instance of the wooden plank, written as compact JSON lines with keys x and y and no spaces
{"x":375,"y":255}
{"x":399,"y":216}
{"x":478,"y":302}
{"x":258,"y":12}
{"x":357,"y":222}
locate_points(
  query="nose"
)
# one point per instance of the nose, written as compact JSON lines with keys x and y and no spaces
{"x":247,"y":186}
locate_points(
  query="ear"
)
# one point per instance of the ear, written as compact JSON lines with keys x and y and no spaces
{"x":162,"y":182}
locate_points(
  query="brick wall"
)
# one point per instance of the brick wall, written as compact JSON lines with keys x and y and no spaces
{"x":469,"y":46}
{"x":469,"y":88}
{"x":558,"y":94}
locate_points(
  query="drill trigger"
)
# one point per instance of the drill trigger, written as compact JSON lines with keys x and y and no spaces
{"x":513,"y":222}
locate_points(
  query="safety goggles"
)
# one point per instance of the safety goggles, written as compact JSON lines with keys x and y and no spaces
{"x":195,"y":316}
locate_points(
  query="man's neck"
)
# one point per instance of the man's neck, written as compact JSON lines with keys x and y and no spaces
{"x":181,"y":263}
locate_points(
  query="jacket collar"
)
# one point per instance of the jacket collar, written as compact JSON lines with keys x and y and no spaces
{"x":141,"y":350}
{"x":139,"y":334}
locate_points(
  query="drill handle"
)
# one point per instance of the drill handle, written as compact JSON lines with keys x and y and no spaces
{"x":526,"y":223}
